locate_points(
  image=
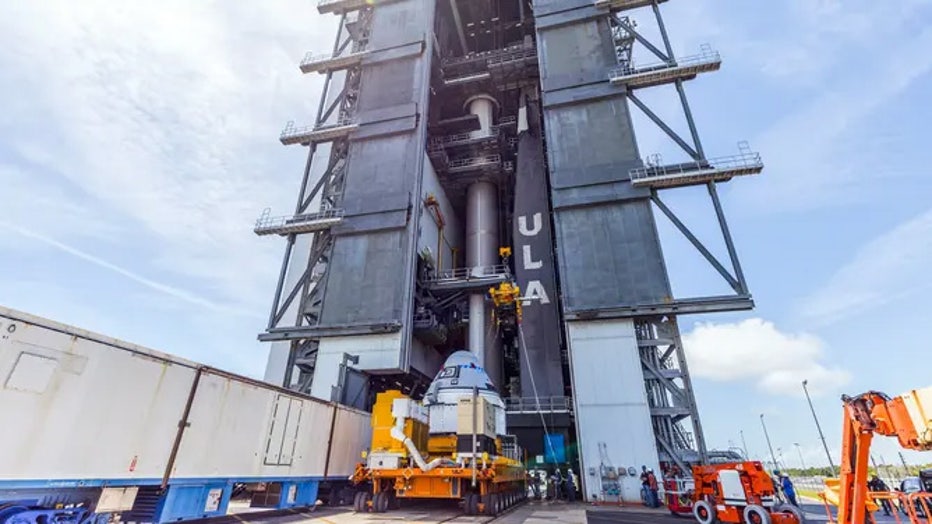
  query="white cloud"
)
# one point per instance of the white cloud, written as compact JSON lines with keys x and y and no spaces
{"x":157,"y":122}
{"x":890,"y":267}
{"x":754,"y":350}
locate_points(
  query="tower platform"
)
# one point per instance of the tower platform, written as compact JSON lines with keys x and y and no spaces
{"x":297,"y":224}
{"x":322,"y":63}
{"x":621,"y":5}
{"x":660,"y":73}
{"x":322,"y":133}
{"x":719,"y":169}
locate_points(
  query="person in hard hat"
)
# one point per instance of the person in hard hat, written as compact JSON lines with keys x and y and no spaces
{"x":570,"y":485}
{"x":653,"y":489}
{"x":645,"y":490}
{"x":777,"y":485}
{"x":788,"y":490}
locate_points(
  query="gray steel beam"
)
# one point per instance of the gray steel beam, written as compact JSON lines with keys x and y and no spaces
{"x":459,"y":25}
{"x":735,"y":284}
{"x":663,"y":125}
{"x":645,"y":42}
{"x":726,"y":233}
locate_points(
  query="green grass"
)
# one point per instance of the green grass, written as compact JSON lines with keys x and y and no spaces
{"x":808,"y":493}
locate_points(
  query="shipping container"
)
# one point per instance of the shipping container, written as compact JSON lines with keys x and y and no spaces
{"x":95,"y":425}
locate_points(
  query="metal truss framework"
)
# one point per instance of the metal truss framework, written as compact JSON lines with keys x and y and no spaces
{"x":666,"y":375}
{"x":304,"y":295}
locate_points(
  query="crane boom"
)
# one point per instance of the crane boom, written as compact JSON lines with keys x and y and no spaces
{"x":907,"y":417}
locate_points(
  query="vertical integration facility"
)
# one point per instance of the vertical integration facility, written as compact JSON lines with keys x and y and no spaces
{"x":473,"y":181}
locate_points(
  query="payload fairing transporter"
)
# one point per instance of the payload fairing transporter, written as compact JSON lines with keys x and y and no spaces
{"x":454,"y":445}
{"x":459,"y":149}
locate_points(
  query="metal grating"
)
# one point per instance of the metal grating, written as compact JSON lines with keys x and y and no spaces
{"x":478,"y":163}
{"x":525,"y":405}
{"x":480,"y":277}
{"x":660,"y":73}
{"x":322,"y":133}
{"x":620,"y":5}
{"x":697,"y":172}
{"x":321,"y":63}
{"x":297,"y":224}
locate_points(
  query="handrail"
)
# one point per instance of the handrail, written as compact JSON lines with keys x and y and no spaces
{"x":706,"y":56}
{"x":269,"y":222}
{"x":654,"y":169}
{"x":291,"y":130}
{"x":311,"y":58}
{"x":535,"y":405}
{"x":469,"y":273}
{"x":477,"y":161}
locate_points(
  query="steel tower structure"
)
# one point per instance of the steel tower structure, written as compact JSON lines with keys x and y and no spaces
{"x":481,"y":144}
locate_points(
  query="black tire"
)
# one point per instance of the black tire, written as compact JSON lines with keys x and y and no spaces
{"x":358,"y":504}
{"x":380,"y":502}
{"x":491,"y":503}
{"x":754,"y":514}
{"x":472,"y":504}
{"x":704,"y":512}
{"x":792,"y":510}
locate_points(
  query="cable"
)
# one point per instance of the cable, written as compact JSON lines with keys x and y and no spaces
{"x":530,"y":373}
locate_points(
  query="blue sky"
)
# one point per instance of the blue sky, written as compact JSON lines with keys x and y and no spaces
{"x":138,"y":143}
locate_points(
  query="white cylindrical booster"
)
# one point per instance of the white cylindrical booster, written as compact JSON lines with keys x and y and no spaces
{"x":481,"y":237}
{"x":482,"y":106}
{"x":481,"y":255}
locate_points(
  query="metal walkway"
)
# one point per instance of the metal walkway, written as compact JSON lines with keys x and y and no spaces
{"x":297,"y":224}
{"x":720,"y":169}
{"x":621,"y":5}
{"x":322,"y":63}
{"x":322,"y":133}
{"x":659,"y":73}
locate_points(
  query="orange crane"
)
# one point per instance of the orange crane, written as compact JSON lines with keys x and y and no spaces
{"x":907,"y":417}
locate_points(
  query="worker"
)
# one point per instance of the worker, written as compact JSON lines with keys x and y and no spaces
{"x":653,"y":489}
{"x":570,"y":486}
{"x":558,"y":484}
{"x":534,"y":483}
{"x":788,"y":490}
{"x":876,"y":484}
{"x":645,"y":490}
{"x":777,"y":486}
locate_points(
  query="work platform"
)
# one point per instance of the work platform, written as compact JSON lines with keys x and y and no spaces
{"x":322,"y":133}
{"x":657,"y":175}
{"x":342,"y":6}
{"x":666,"y":72}
{"x":621,"y":5}
{"x":322,"y":63}
{"x":297,"y":224}
{"x":468,"y":278}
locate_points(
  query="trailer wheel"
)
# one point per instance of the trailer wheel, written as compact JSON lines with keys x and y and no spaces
{"x":380,"y":502}
{"x":490,"y":504}
{"x":471,"y":504}
{"x":754,"y":514}
{"x":794,"y":511}
{"x":704,"y":512}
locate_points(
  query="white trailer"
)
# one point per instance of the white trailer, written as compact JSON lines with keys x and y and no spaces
{"x":94,"y":426}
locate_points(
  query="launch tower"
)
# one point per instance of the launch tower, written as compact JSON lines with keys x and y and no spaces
{"x":462,"y":148}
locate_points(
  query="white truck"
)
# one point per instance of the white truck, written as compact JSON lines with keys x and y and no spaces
{"x":94,"y":427}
